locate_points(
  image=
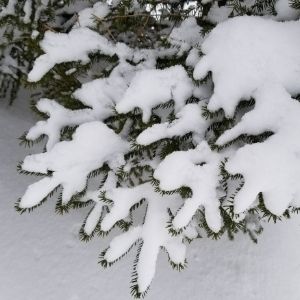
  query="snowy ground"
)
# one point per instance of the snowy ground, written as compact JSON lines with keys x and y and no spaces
{"x":41,"y":257}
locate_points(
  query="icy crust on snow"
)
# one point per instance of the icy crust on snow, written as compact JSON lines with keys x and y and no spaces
{"x":72,"y":161}
{"x":244,"y":52}
{"x":73,"y":46}
{"x":189,"y":119}
{"x":271,"y":167}
{"x":150,"y":88}
{"x":153,"y":232}
{"x":197,"y":169}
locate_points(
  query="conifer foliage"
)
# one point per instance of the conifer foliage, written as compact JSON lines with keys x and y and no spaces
{"x":22,"y":26}
{"x":170,"y":120}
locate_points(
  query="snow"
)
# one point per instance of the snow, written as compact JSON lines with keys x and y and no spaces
{"x":100,"y":95}
{"x":124,"y":199}
{"x":150,"y":88}
{"x":43,"y":249}
{"x":285,"y":12}
{"x":189,"y":119}
{"x":270,"y":77}
{"x":96,"y":212}
{"x":42,"y":7}
{"x":271,"y":167}
{"x":270,"y":74}
{"x":72,"y":46}
{"x":153,"y":232}
{"x":187,"y":35}
{"x":28,"y":11}
{"x":72,"y":161}
{"x":192,"y":58}
{"x":218,"y":14}
{"x":103,"y":93}
{"x":8,"y":64}
{"x":87,"y":16}
{"x":122,"y":243}
{"x":243,"y":53}
{"x":34,"y":34}
{"x":199,"y":170}
{"x":93,"y":218}
{"x":59,"y":117}
{"x":9,"y":9}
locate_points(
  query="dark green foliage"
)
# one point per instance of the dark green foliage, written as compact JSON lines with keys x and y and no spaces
{"x":295,"y":4}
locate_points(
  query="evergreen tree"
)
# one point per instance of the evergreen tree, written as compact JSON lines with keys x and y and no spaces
{"x":171,"y":120}
{"x":22,"y":26}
